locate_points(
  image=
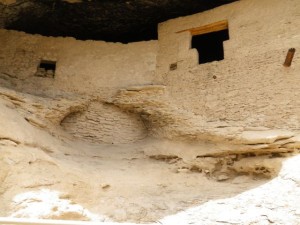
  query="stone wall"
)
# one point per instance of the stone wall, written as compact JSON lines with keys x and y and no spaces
{"x":250,"y":87}
{"x":89,"y":67}
{"x":248,"y":90}
{"x":91,"y":70}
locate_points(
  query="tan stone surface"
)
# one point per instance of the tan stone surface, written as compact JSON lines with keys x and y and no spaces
{"x":117,"y":136}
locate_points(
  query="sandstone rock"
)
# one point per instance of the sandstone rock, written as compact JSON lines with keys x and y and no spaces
{"x":222,"y":177}
{"x":264,"y":137}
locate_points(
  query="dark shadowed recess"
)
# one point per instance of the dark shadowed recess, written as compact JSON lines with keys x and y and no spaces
{"x":210,"y":46}
{"x":109,"y":20}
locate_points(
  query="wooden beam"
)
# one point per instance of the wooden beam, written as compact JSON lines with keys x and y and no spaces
{"x":289,"y":57}
{"x":213,"y":27}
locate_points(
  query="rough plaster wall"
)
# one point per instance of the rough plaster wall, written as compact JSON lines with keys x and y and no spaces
{"x":251,"y":88}
{"x":102,"y":123}
{"x":88,"y":67}
{"x":92,"y":69}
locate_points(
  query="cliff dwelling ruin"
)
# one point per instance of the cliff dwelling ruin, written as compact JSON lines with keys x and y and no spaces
{"x":149,"y":112}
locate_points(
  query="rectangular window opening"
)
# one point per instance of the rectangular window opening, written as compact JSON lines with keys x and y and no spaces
{"x":210,"y":46}
{"x":46,"y":68}
{"x":208,"y":40}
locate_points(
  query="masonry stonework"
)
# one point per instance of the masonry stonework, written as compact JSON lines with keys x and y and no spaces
{"x":139,"y":131}
{"x":251,"y":86}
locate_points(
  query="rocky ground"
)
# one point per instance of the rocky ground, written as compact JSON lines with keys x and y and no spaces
{"x":47,"y":173}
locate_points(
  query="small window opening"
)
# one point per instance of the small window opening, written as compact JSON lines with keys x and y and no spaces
{"x":46,"y":68}
{"x":210,"y":46}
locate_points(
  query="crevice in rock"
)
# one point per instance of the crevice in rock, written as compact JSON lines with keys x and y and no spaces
{"x":7,"y":139}
{"x":228,"y":166}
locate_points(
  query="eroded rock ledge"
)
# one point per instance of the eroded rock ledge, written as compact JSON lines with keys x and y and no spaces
{"x":165,"y":120}
{"x":182,"y":143}
{"x":226,"y":149}
{"x":216,"y":149}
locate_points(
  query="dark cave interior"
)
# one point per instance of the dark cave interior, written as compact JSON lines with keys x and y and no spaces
{"x":109,"y":20}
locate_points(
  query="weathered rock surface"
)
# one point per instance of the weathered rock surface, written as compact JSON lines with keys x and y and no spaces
{"x":215,"y":143}
{"x":165,"y":119}
{"x":52,"y":171}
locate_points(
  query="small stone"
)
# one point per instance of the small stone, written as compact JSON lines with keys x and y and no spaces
{"x":222,"y":177}
{"x":162,"y":185}
{"x":49,"y":73}
{"x":105,"y":186}
{"x":6,"y":142}
{"x":172,"y":161}
{"x":183,"y":170}
{"x":206,"y":171}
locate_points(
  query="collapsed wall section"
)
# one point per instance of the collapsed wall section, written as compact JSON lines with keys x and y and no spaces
{"x":104,"y":123}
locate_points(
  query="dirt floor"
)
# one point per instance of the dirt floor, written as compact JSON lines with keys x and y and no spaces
{"x":119,"y":182}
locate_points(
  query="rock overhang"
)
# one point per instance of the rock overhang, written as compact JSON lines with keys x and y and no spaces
{"x":115,"y":21}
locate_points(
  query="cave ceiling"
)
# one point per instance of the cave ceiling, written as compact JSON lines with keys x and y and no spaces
{"x":110,"y":20}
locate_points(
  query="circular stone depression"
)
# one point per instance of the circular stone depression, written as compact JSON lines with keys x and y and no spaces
{"x":104,"y":123}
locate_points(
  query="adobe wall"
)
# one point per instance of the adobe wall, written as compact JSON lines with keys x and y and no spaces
{"x":252,"y":88}
{"x":87,"y":72}
{"x":90,"y":67}
{"x":249,"y":88}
